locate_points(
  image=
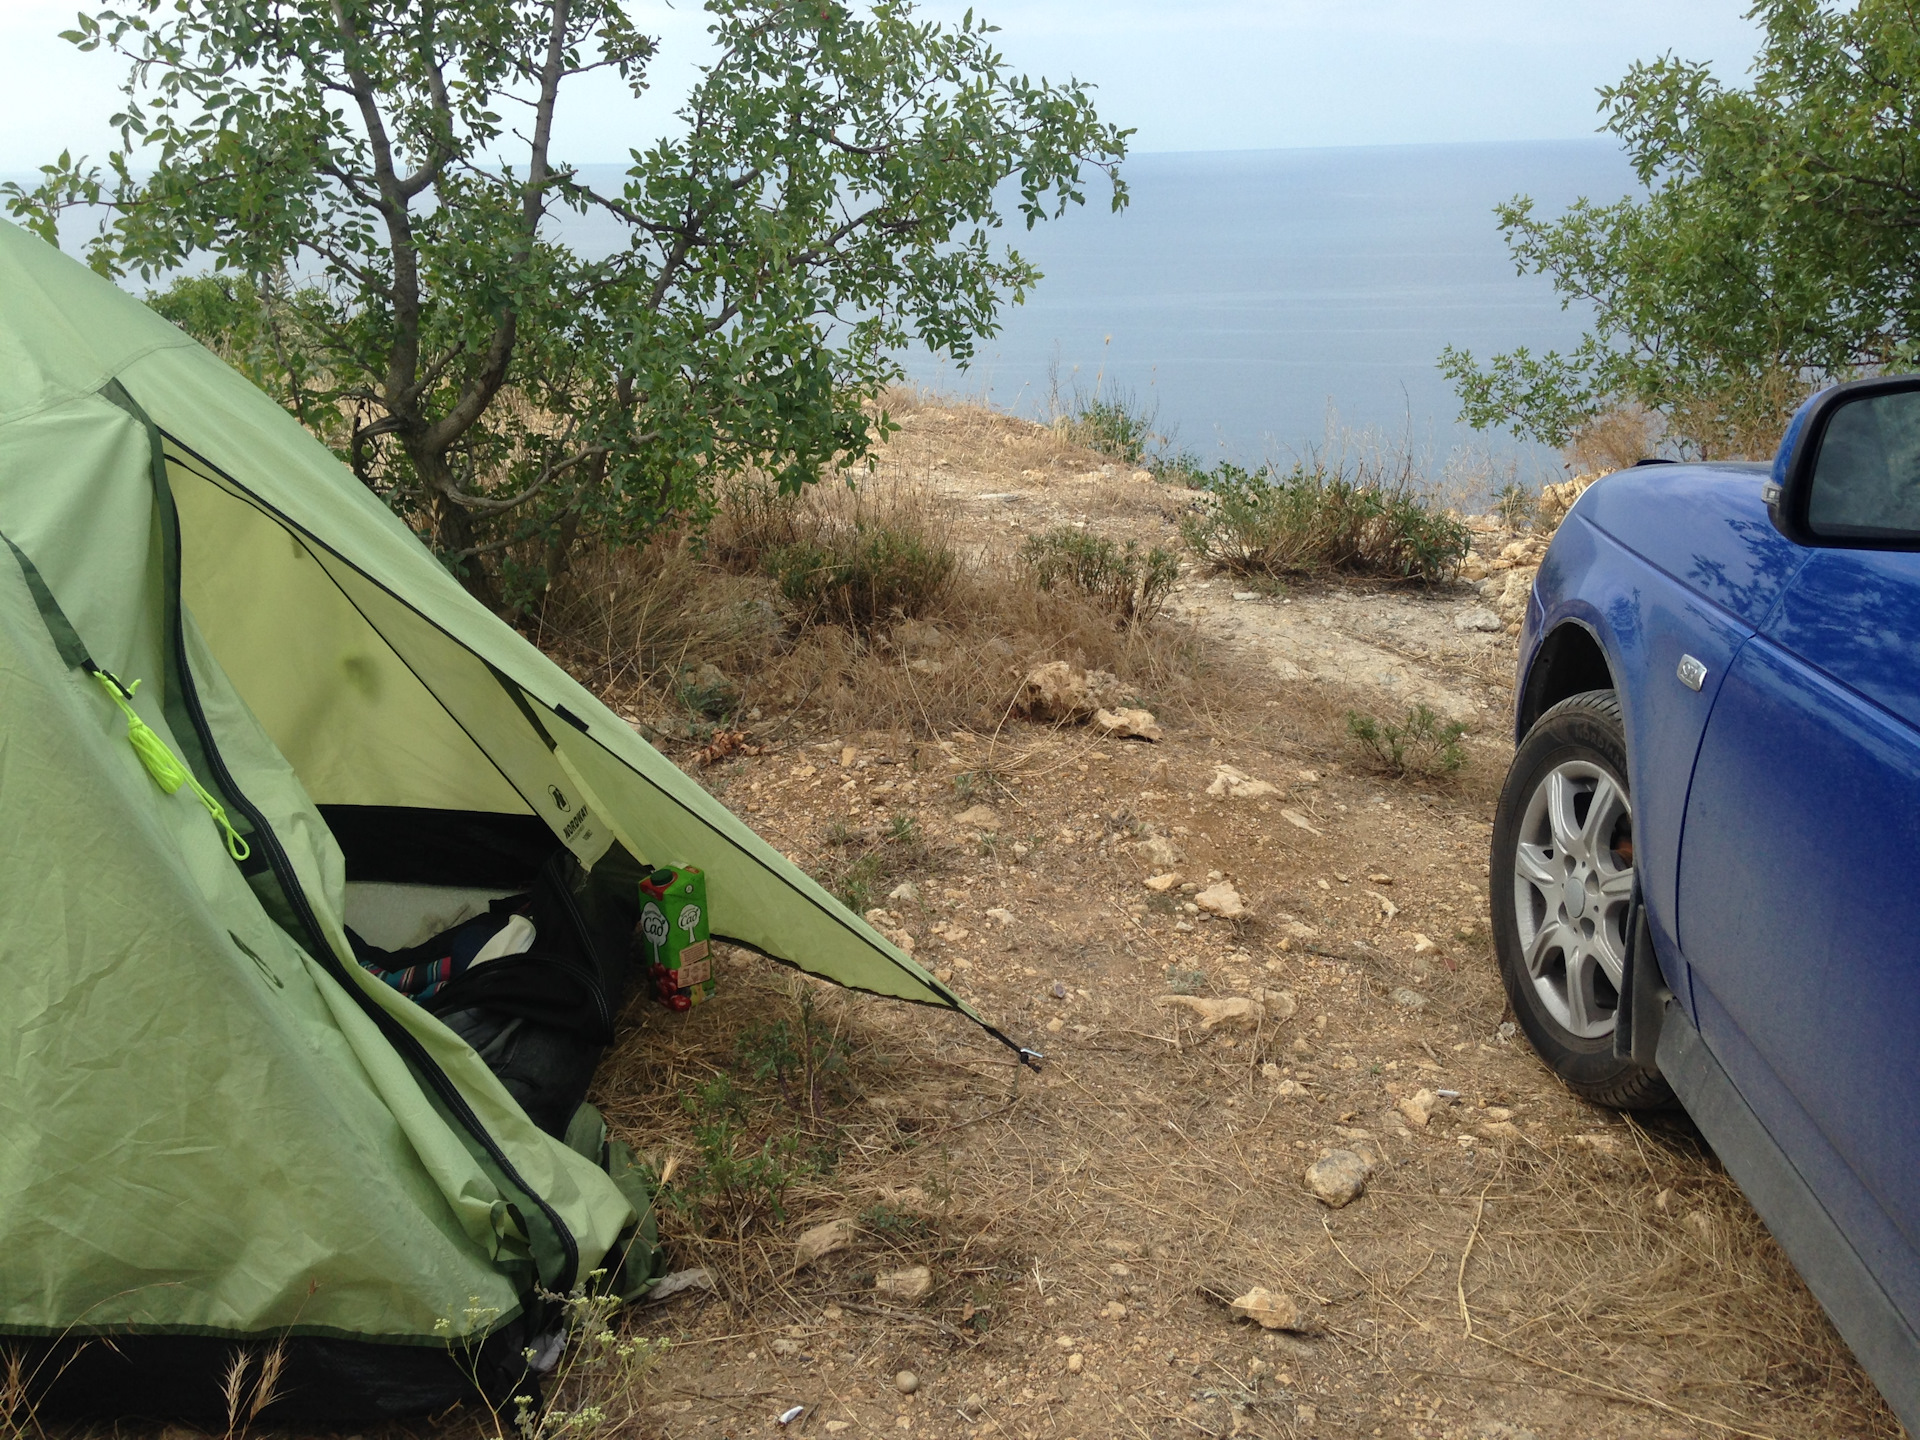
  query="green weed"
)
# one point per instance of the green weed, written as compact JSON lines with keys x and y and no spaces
{"x":1316,"y":519}
{"x":802,"y":1058}
{"x":1517,"y":506}
{"x":1126,"y":581}
{"x":866,"y":575}
{"x":863,"y":865}
{"x":1419,"y":744}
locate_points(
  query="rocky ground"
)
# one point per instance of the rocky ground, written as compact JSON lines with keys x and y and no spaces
{"x":1287,"y":1170}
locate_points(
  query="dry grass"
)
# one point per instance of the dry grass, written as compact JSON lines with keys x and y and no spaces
{"x":950,"y":655}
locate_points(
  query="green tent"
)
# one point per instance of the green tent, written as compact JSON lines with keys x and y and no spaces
{"x":216,"y":1128}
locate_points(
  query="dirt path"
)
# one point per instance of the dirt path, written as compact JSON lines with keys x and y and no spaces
{"x":1519,"y":1264}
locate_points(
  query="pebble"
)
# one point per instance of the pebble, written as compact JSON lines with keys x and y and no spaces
{"x":1246,"y":594}
{"x":1269,"y":1310}
{"x":1221,"y":899}
{"x":1004,"y":916}
{"x":1339,"y":1179}
{"x":906,"y":891}
{"x":1409,"y":999}
{"x":910,"y":1284}
{"x":1479,"y":618}
{"x":1418,"y":1107}
{"x":978,"y":817}
{"x":906,"y":1382}
{"x":1076,"y":1362}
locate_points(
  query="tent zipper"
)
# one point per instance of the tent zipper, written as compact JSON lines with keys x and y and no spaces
{"x":395,"y":1033}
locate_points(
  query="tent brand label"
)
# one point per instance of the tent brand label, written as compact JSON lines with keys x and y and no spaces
{"x":673,"y":929}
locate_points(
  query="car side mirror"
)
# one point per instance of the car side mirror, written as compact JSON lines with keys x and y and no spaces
{"x":1848,"y":471}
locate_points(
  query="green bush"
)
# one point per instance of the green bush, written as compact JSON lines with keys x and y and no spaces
{"x":1419,"y":744}
{"x":1116,"y":428}
{"x":1127,"y":581}
{"x":865,"y":575}
{"x":1318,"y":519}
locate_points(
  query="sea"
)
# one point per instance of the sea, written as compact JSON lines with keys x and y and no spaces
{"x":1264,"y":303}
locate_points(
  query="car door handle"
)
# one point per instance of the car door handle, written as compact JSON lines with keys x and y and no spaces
{"x":1691,"y":672}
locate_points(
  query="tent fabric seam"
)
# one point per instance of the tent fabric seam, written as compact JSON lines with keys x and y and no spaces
{"x":106,"y":376}
{"x":248,"y":498}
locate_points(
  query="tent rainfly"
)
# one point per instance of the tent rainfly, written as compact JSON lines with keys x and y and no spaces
{"x":243,"y":714}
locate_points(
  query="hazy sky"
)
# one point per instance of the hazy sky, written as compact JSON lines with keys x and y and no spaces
{"x":1190,"y":75}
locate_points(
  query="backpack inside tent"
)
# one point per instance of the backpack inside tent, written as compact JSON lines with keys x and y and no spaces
{"x":261,"y":756}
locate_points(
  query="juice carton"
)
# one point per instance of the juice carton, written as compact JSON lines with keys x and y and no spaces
{"x":673,"y":928}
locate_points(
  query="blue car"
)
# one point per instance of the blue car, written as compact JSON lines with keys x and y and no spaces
{"x":1706,"y":859}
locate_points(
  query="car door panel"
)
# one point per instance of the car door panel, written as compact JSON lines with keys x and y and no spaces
{"x":1800,"y":924}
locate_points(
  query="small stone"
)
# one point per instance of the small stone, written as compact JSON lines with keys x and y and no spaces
{"x":1076,"y":1362}
{"x":906,"y":1382}
{"x":839,"y":1427}
{"x":831,"y":1313}
{"x":1479,"y":619}
{"x":1119,"y":1271}
{"x":1501,"y":1130}
{"x":1409,"y":999}
{"x":1004,"y":916}
{"x":1238,"y":785}
{"x":978,"y":817}
{"x":1065,"y":1342}
{"x":785,"y":1347}
{"x":1021,"y":850}
{"x":821,"y":1240}
{"x":906,"y":892}
{"x":1056,"y":1025}
{"x":1128,"y":724}
{"x":1294,"y":817}
{"x":1221,"y":899}
{"x":1418,"y":1107}
{"x":1114,"y":1310}
{"x":848,"y":754}
{"x":910,"y":1284}
{"x":1339,"y":1179}
{"x":1269,"y":1310}
{"x":1290,"y":1087}
{"x":1159,"y":852}
{"x":1059,"y":991}
{"x":1422,"y":945}
{"x":1160,"y":884}
{"x":1057,"y":691}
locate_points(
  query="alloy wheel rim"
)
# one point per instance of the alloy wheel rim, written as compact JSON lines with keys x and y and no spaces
{"x":1572,"y":880}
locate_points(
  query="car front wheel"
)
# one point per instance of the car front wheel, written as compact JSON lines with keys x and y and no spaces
{"x":1561,"y":887}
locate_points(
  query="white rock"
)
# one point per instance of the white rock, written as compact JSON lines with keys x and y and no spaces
{"x":821,"y":1240}
{"x":1268,"y":1310}
{"x":1238,"y":785}
{"x":1418,"y":1107}
{"x":1235,"y":1009}
{"x":1409,"y":999}
{"x":1160,"y":884}
{"x":1057,"y":691}
{"x":1246,"y":594}
{"x":1005,"y":917}
{"x":1422,"y":945}
{"x":1339,"y":1179}
{"x":910,"y":1284}
{"x":1479,"y":618}
{"x":1221,"y":899}
{"x":1128,"y":724}
{"x":906,"y":1382}
{"x":1300,"y":930}
{"x":1294,"y":817}
{"x":978,"y":817}
{"x":906,"y":892}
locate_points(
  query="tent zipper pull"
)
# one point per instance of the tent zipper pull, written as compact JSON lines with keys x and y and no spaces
{"x":165,"y":768}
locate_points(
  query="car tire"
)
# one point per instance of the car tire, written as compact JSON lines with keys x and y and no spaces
{"x":1560,"y":885}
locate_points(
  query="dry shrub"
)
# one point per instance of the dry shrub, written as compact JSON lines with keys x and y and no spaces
{"x":635,"y":619}
{"x":1615,"y":440}
{"x":928,"y":641}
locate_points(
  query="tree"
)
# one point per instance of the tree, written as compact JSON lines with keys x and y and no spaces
{"x":375,"y":184}
{"x":1775,"y":248}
